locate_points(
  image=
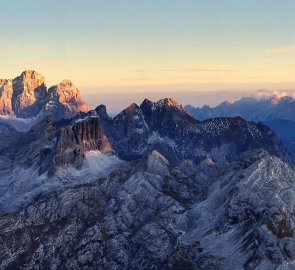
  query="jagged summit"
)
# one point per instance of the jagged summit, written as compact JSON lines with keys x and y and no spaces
{"x":64,"y":92}
{"x":170,"y":102}
{"x":26,"y":96}
{"x":65,"y":100}
{"x":132,"y":107}
{"x":162,"y":102}
{"x":101,"y":110}
{"x":66,"y":82}
{"x":259,"y":109}
{"x":31,"y":74}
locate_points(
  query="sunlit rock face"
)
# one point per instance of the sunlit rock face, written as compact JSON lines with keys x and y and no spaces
{"x":65,"y":100}
{"x":27,"y":96}
{"x":6,"y":92}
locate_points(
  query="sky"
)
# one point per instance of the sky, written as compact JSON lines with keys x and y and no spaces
{"x":118,"y":49}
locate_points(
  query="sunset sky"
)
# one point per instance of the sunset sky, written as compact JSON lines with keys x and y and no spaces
{"x":151,"y":46}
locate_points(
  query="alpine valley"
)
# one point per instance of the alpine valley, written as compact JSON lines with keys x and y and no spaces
{"x":151,"y":188}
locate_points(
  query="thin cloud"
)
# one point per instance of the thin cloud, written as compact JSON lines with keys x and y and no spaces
{"x":275,"y":95}
{"x":23,"y":48}
{"x":281,"y":51}
{"x":264,"y":93}
{"x":189,"y":69}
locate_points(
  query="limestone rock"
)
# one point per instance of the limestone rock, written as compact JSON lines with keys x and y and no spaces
{"x":29,"y":94}
{"x":6,"y":92}
{"x":65,"y":100}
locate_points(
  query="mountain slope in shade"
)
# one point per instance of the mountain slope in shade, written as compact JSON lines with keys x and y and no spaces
{"x":27,"y":95}
{"x":167,"y":128}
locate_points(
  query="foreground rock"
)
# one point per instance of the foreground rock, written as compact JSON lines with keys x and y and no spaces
{"x":155,"y":217}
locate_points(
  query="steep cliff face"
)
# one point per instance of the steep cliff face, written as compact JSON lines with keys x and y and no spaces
{"x":129,"y":132}
{"x":73,"y":141}
{"x":65,"y":100}
{"x":27,"y":95}
{"x":50,"y":146}
{"x":6,"y":92}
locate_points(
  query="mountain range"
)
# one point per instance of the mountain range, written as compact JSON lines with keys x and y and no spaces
{"x":276,"y":112}
{"x":26,"y":96}
{"x":151,"y":188}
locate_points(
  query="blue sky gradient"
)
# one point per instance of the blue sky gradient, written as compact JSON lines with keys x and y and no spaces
{"x":209,"y":45}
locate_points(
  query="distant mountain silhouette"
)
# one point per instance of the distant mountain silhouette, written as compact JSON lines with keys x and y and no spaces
{"x":276,"y":112}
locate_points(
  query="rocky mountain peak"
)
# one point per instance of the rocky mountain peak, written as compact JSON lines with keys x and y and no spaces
{"x":26,"y":96}
{"x":165,"y":102}
{"x":65,"y":92}
{"x":132,"y":107}
{"x":170,"y":102}
{"x":29,"y":93}
{"x":31,"y":75}
{"x":65,"y":100}
{"x":132,"y":112}
{"x":147,"y":102}
{"x":101,"y":110}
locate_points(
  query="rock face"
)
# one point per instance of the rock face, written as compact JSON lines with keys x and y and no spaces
{"x":65,"y":100}
{"x":27,"y":95}
{"x":129,"y":132}
{"x":74,"y":141}
{"x":6,"y":92}
{"x":50,"y":145}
